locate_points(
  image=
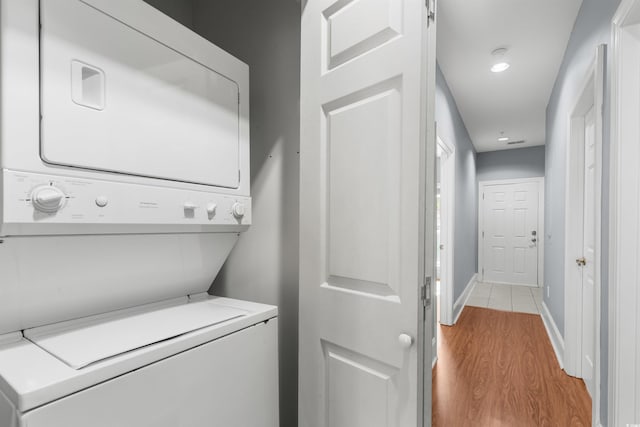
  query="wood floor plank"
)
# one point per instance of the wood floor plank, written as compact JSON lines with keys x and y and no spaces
{"x":497,"y":368}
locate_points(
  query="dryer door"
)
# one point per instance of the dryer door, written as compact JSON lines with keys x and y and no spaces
{"x":116,"y":99}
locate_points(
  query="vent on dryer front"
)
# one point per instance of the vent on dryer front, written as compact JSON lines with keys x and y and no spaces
{"x":522,"y":141}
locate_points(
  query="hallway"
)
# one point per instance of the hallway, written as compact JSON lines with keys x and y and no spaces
{"x":497,"y":368}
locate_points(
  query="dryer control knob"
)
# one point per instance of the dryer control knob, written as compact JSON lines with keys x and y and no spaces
{"x":47,"y":199}
{"x":211,"y":209}
{"x":237,"y":210}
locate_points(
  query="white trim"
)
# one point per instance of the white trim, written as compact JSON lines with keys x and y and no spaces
{"x":448,"y":174}
{"x":590,"y":96}
{"x":464,"y":296}
{"x":434,"y":343}
{"x":557,"y":342}
{"x":541,"y":228}
{"x":624,"y":228}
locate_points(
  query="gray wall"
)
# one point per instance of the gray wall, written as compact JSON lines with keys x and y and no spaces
{"x":592,"y":27}
{"x":451,"y":129}
{"x":180,"y":10}
{"x":511,"y":164}
{"x":263,"y":267}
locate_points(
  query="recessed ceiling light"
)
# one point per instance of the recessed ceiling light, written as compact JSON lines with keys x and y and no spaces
{"x":500,"y":63}
{"x":503,"y":138}
{"x":500,"y":67}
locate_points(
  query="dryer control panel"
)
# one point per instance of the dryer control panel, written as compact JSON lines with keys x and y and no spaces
{"x":49,"y":204}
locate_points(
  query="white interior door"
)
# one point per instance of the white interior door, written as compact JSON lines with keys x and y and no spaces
{"x":363,"y":219}
{"x":582,"y":238}
{"x":510,"y":233}
{"x":446,"y":153}
{"x":588,"y":261}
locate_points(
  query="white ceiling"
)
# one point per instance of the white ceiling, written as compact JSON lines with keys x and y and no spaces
{"x":536,"y":33}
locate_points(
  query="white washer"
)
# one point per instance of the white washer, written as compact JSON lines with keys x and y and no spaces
{"x":124,"y":185}
{"x":186,"y":362}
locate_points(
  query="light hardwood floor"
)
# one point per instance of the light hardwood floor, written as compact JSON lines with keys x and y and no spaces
{"x":497,"y":368}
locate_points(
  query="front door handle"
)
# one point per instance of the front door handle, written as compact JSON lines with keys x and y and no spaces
{"x":581,"y":262}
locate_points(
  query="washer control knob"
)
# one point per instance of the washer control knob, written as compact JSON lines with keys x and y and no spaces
{"x":237,"y":210}
{"x":102,"y":201}
{"x":211,"y":209}
{"x":47,"y":198}
{"x":190,"y":206}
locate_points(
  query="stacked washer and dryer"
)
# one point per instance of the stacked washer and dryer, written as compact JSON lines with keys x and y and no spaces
{"x":124,"y":153}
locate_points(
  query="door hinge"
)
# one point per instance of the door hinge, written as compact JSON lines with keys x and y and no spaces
{"x":482,"y":196}
{"x":431,"y":9}
{"x":426,"y":292}
{"x":483,"y":234}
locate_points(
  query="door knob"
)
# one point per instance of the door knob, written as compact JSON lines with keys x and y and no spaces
{"x":405,"y":341}
{"x":581,"y":262}
{"x":534,"y":240}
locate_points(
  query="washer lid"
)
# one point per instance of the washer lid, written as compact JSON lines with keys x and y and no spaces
{"x":83,"y":342}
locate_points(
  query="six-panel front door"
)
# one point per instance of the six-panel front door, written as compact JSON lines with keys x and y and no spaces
{"x":509,"y":233}
{"x":362,"y":214}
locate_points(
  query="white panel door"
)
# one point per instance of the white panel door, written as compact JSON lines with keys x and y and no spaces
{"x":589,"y":241}
{"x":446,"y":158}
{"x":510,"y":233}
{"x":363,"y":327}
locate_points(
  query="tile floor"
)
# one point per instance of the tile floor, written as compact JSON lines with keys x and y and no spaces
{"x":522,"y":299}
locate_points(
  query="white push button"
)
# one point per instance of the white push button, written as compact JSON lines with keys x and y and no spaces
{"x":102,"y":201}
{"x":190,"y":206}
{"x":237,"y":210}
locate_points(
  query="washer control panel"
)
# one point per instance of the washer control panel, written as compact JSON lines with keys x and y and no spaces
{"x":31,"y":198}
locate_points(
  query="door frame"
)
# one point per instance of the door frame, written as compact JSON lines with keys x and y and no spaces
{"x":448,"y":174}
{"x":624,"y":252}
{"x":590,"y":94}
{"x":540,"y":181}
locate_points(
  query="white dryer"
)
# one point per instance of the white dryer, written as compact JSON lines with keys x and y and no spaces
{"x":124,"y":185}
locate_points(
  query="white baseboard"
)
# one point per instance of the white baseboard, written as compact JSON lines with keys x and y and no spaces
{"x":557,"y":342}
{"x":462,"y":300}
